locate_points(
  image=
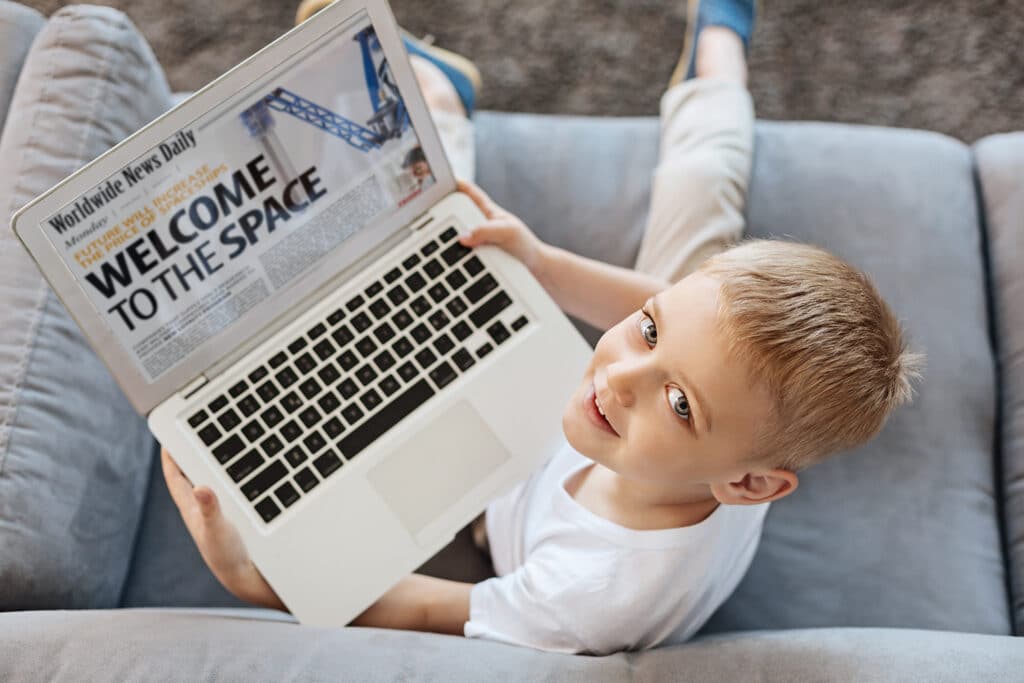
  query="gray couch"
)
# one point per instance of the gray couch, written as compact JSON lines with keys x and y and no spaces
{"x":903,"y":560}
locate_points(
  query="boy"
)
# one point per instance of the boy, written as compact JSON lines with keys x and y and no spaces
{"x":700,"y":404}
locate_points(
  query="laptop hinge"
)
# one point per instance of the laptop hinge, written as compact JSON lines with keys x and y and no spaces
{"x":421,"y":221}
{"x":194,"y":386}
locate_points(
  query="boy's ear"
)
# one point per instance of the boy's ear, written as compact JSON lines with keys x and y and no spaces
{"x":756,"y":487}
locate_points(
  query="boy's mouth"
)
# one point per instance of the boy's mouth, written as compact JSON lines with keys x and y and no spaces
{"x":594,"y":413}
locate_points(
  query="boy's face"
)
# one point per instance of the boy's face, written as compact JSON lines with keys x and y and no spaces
{"x":681,"y":416}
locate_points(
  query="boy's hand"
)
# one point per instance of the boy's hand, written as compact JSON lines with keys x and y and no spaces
{"x":218,"y":541}
{"x":502,"y":229}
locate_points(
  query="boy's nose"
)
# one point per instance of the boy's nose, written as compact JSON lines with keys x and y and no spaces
{"x":622,"y":379}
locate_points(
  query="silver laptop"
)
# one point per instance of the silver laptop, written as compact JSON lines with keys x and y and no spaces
{"x":290,"y":307}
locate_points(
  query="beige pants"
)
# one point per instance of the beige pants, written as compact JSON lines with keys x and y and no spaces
{"x":699,"y":188}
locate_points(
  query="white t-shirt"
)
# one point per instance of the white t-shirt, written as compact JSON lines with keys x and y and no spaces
{"x":571,"y":581}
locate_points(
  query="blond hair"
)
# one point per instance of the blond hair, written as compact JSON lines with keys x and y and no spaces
{"x":816,"y":334}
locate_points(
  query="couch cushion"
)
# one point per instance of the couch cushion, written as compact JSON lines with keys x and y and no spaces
{"x":74,"y":457}
{"x":1000,"y":164}
{"x":903,"y":532}
{"x":205,"y":646}
{"x":18,"y":28}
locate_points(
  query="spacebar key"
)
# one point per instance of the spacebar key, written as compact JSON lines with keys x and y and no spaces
{"x":385,"y":419}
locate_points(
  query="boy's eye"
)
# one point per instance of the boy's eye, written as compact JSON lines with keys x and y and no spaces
{"x":680,"y":406}
{"x":648,"y":331}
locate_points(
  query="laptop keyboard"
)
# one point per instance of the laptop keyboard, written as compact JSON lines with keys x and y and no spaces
{"x":309,"y":407}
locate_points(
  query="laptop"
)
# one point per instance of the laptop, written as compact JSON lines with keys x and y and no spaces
{"x":296,"y":318}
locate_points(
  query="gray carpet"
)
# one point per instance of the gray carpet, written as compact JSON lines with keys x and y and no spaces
{"x":954,"y":66}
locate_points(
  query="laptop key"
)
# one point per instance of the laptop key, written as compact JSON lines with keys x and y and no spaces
{"x":402,"y":319}
{"x":248,"y":405}
{"x":455,"y":279}
{"x":380,"y":308}
{"x":306,"y":479}
{"x":264,"y":479}
{"x":238,"y":389}
{"x":374,"y":289}
{"x":397,"y":295}
{"x":333,"y":427}
{"x":371,"y":399}
{"x":454,"y":253}
{"x":271,"y":446}
{"x":328,"y":374}
{"x":479,"y":289}
{"x":343,"y":335}
{"x":438,"y":292}
{"x":425,"y":358}
{"x":498,"y":332}
{"x":389,"y":385}
{"x":209,"y":434}
{"x":336,"y":317}
{"x":295,"y":457}
{"x":473,"y":266}
{"x":461,"y":330}
{"x":267,"y":509}
{"x":347,"y":361}
{"x":291,"y":431}
{"x":314,"y":442}
{"x":278,"y":359}
{"x":519,"y":323}
{"x":490,"y":308}
{"x":310,"y":388}
{"x":218,"y":403}
{"x":298,"y":345}
{"x":352,"y":413}
{"x":305,"y":363}
{"x":433,"y":268}
{"x":229,"y":420}
{"x":365,"y":346}
{"x":317,"y":331}
{"x":415,"y":282}
{"x":287,"y":377}
{"x":310,"y":416}
{"x":328,"y":403}
{"x":443,"y":374}
{"x":383,"y":361}
{"x":463,"y":359}
{"x":420,"y":333}
{"x":420,"y":305}
{"x":327,"y":464}
{"x":444,"y":344}
{"x":485,"y":349}
{"x":403,"y":347}
{"x":392,"y":275}
{"x":366,"y":374}
{"x":287,"y":494}
{"x":438,"y":319}
{"x":291,"y":402}
{"x":355,"y":302}
{"x":231,"y":447}
{"x":324,"y":350}
{"x":456,"y":306}
{"x":347,"y":389}
{"x":411,"y":262}
{"x":385,"y":418}
{"x":384,"y":333}
{"x":267,"y":391}
{"x":429,"y":248}
{"x":253,"y":430}
{"x":271,"y":416}
{"x":361,"y":322}
{"x":244,"y":466}
{"x":408,"y":371}
{"x":198,"y":419}
{"x":449,"y":233}
{"x":257,"y":374}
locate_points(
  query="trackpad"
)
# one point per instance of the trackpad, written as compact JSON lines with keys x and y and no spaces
{"x":435,"y":467}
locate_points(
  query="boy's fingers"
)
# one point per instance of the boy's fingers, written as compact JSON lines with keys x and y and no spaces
{"x":479,"y":197}
{"x":207,"y":499}
{"x":177,"y":484}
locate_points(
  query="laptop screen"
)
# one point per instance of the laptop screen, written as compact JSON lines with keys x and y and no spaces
{"x":234,"y":208}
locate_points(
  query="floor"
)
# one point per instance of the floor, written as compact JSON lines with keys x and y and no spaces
{"x":954,"y":67}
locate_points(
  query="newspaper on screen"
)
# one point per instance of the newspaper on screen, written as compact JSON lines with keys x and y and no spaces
{"x":191,"y":236}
